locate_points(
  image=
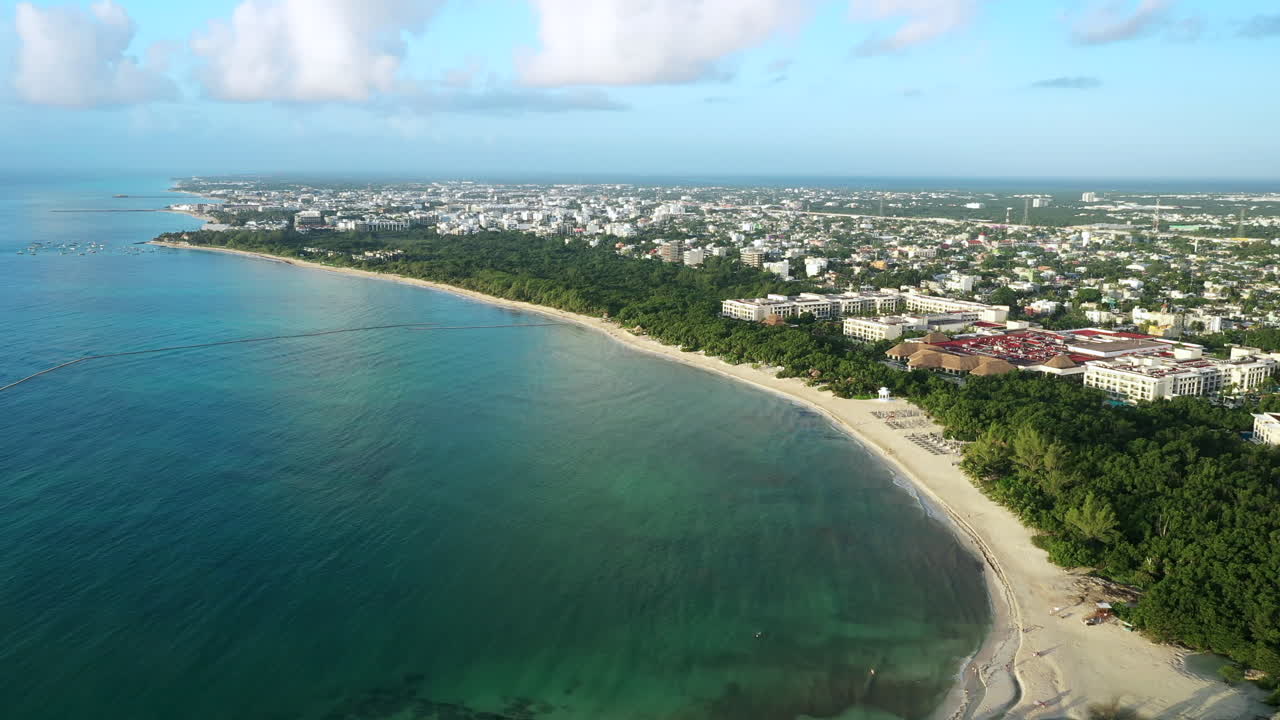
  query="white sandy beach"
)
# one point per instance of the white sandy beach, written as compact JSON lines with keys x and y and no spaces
{"x":1057,"y":661}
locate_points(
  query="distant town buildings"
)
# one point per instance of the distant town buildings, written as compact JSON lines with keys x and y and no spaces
{"x":781,"y":268}
{"x":308,"y":218}
{"x":813,"y":267}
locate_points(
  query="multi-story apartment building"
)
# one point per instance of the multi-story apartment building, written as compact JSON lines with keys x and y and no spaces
{"x":671,"y":252}
{"x":781,"y":268}
{"x":950,"y":314}
{"x":821,"y":306}
{"x":933,"y":305}
{"x":752,"y":258}
{"x":757,"y":309}
{"x":876,"y":329}
{"x":1266,"y":428}
{"x":868,"y":303}
{"x":1135,"y":378}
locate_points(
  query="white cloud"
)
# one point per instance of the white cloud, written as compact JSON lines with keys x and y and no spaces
{"x":308,"y":50}
{"x":1113,"y":21}
{"x":625,"y":42}
{"x":923,"y":20}
{"x":71,"y":57}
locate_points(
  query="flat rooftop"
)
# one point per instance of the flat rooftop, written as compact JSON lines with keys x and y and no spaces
{"x":1020,"y":347}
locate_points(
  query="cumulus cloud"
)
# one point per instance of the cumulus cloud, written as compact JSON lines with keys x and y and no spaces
{"x":1260,"y":26}
{"x":1079,"y":82}
{"x":1119,"y":20}
{"x":73,"y":57}
{"x":308,"y":50}
{"x":623,"y":42}
{"x":923,"y":20}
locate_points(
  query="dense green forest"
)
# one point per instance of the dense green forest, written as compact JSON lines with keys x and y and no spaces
{"x":1166,"y":497}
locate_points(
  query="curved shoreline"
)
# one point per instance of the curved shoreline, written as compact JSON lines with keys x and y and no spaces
{"x":1021,"y":663}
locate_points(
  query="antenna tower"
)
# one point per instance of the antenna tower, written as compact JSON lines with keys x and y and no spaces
{"x":1026,"y":210}
{"x":1155,"y":222}
{"x":1240,"y":225}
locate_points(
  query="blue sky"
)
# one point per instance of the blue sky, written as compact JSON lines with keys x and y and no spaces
{"x":434,"y":88}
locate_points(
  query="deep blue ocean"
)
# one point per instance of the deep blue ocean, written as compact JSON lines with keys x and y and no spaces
{"x":495,"y":523}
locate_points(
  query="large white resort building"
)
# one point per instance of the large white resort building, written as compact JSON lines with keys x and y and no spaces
{"x":1266,"y":428}
{"x":1183,"y":371}
{"x":825,"y":307}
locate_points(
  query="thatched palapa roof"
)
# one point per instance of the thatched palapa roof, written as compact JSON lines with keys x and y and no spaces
{"x":926,"y":359}
{"x":903,"y":350}
{"x":909,"y":348}
{"x":935,"y":337}
{"x":959,"y":363}
{"x":1060,"y":362}
{"x":992,"y":366}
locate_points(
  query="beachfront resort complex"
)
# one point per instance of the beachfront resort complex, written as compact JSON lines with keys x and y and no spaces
{"x":1130,"y":367}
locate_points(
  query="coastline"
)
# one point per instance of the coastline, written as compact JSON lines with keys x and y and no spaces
{"x":206,"y":219}
{"x":1059,"y":661}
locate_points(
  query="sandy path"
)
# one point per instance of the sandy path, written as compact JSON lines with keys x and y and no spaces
{"x":1077,"y":665}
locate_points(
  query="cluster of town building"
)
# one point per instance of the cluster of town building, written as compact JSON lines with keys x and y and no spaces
{"x":990,"y":270}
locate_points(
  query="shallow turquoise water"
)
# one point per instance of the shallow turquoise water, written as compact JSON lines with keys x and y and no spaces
{"x":530,"y":522}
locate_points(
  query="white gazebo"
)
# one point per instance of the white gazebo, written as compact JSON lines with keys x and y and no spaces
{"x":884,"y":393}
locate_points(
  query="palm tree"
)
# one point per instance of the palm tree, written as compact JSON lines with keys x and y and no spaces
{"x":1095,"y":520}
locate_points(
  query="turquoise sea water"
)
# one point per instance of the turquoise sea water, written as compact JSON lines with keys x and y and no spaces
{"x":500,"y":523}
